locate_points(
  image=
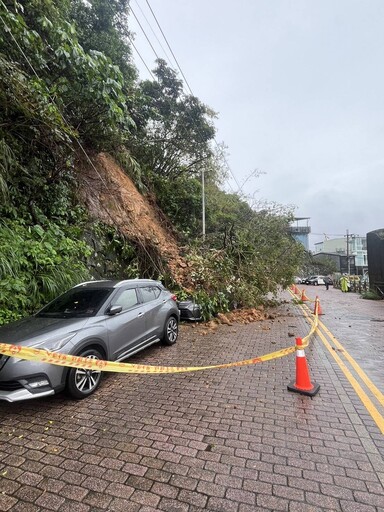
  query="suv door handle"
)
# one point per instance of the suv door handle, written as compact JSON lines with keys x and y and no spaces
{"x":140,"y":314}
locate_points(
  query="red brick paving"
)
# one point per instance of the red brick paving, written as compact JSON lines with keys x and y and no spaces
{"x":219,"y":440}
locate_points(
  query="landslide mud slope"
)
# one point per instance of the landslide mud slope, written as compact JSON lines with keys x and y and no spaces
{"x":111,"y":197}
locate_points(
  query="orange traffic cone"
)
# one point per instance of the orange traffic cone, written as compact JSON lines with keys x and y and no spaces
{"x":303,"y":296}
{"x":302,"y":384}
{"x":317,"y":309}
{"x":296,"y":291}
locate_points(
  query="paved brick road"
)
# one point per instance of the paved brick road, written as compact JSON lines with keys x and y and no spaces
{"x":219,"y":440}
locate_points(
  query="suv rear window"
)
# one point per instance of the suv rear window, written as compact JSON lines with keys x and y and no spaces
{"x":149,"y":293}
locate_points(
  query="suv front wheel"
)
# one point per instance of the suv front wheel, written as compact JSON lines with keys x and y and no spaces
{"x":82,"y":382}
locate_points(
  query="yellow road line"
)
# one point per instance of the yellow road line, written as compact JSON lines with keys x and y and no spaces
{"x":364,"y":377}
{"x":367,"y":402}
{"x":378,"y":418}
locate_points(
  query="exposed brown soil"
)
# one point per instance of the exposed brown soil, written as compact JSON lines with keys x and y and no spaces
{"x":111,"y":197}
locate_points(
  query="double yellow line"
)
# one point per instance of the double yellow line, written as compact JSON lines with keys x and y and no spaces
{"x":353,"y":372}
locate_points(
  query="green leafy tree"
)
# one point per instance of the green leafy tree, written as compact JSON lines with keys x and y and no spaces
{"x":247,"y":254}
{"x":85,"y":87}
{"x":174,"y":129}
{"x":102,"y":25}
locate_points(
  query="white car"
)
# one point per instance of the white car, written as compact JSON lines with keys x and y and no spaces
{"x":316,"y":280}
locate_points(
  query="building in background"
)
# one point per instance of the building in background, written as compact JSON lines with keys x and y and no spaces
{"x":349,"y":253}
{"x":300,"y":230}
{"x":340,"y":262}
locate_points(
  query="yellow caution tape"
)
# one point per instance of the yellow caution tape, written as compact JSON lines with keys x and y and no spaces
{"x":71,"y":361}
{"x":305,"y":340}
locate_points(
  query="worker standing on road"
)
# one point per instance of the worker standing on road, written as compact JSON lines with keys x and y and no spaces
{"x":326,"y":282}
{"x":344,"y":282}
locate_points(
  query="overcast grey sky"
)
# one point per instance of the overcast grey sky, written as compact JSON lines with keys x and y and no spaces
{"x":299,"y":89}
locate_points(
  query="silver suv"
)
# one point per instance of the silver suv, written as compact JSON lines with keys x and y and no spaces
{"x":110,"y":320}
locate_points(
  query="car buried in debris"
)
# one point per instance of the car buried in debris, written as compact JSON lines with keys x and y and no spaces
{"x":190,"y":311}
{"x":100,"y":320}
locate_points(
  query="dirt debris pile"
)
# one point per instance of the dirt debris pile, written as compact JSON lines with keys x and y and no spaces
{"x":111,"y":197}
{"x":244,"y":316}
{"x":237,"y":316}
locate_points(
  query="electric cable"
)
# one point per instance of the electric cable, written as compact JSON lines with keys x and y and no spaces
{"x":153,"y":32}
{"x":146,"y":66}
{"x":190,"y":90}
{"x":169,"y":46}
{"x":144,"y":32}
{"x":141,"y":58}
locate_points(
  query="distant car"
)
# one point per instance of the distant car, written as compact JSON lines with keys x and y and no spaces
{"x":297,"y":280}
{"x":305,"y":280}
{"x":316,"y":280}
{"x":190,"y":311}
{"x":110,"y":320}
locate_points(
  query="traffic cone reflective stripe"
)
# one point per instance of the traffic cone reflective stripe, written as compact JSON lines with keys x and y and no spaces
{"x":302,"y":384}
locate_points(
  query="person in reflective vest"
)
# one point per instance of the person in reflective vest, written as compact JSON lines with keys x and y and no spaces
{"x":344,"y":283}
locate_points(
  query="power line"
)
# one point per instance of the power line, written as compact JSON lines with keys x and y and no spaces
{"x":153,"y":32}
{"x":328,"y":234}
{"x":142,"y":60}
{"x":144,"y":32}
{"x":156,"y":54}
{"x":190,"y":90}
{"x":169,"y":46}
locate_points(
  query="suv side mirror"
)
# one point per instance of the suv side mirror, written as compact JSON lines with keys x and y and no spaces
{"x":113,"y":310}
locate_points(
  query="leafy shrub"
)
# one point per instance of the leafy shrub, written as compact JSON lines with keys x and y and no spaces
{"x":370,"y":295}
{"x":36,"y":264}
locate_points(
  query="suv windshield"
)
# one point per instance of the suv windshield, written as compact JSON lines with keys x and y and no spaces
{"x":78,"y":302}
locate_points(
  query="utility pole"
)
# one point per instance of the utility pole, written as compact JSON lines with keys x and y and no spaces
{"x":203,"y":200}
{"x":348,"y":262}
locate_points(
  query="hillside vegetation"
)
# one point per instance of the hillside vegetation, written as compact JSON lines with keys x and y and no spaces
{"x":100,"y":172}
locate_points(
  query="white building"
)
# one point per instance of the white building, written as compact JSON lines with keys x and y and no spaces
{"x":357,"y":249}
